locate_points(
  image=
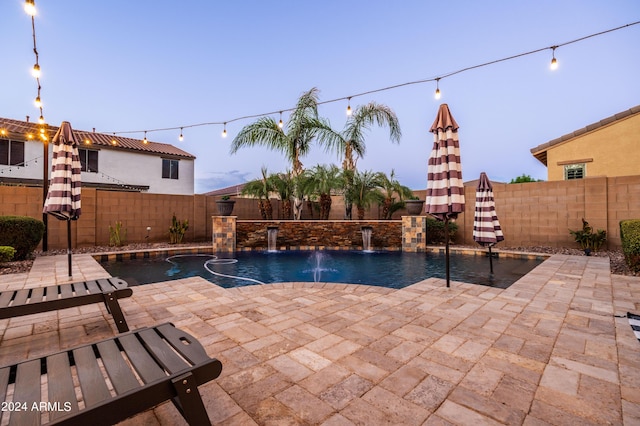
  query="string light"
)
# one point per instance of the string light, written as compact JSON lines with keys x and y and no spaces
{"x":181,"y":138}
{"x":349,"y":112}
{"x":41,"y":120}
{"x":280,"y":123}
{"x":145,"y":141}
{"x":348,"y":98}
{"x":224,"y":132}
{"x":554,"y":61}
{"x":438,"y":95}
{"x":30,"y":7}
{"x":36,"y":71}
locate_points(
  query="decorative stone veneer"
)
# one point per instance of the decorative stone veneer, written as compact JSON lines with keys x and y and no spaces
{"x":414,"y":233}
{"x":308,"y":234}
{"x":224,"y":233}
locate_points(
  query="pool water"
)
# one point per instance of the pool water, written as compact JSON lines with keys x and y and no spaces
{"x":393,"y":269}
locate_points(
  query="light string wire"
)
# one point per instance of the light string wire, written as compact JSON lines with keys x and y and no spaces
{"x":396,"y":86}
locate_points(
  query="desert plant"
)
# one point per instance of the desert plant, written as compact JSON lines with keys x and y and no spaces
{"x":588,"y":239}
{"x":117,"y":234}
{"x":23,"y":233}
{"x":177,"y":230}
{"x":392,"y":188}
{"x":435,"y":231}
{"x":630,"y":236}
{"x":7,"y":253}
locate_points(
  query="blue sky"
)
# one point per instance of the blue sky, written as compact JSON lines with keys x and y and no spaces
{"x":139,"y":65}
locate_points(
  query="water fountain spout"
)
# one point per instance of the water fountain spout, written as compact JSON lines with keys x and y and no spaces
{"x":366,"y":237}
{"x":272,"y":238}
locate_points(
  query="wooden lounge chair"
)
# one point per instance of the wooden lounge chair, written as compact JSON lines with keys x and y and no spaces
{"x":118,"y":378}
{"x":14,"y":303}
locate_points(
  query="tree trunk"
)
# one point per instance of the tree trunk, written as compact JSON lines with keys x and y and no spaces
{"x":360,"y":213}
{"x":268,"y":209}
{"x":325,"y":206}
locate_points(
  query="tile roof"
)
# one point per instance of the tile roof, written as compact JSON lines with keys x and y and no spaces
{"x":20,"y":129}
{"x":540,"y":151}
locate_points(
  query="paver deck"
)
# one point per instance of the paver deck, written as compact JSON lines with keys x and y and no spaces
{"x":548,"y":350}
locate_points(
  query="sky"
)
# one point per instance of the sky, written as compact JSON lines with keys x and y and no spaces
{"x":124,"y":65}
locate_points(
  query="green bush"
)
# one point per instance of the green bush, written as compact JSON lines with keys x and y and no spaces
{"x":117,"y":234}
{"x":22,"y":233}
{"x":6,"y":253}
{"x":588,"y":239}
{"x":630,"y":236}
{"x":435,"y":231}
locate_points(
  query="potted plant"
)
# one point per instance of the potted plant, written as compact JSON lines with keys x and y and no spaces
{"x":589,"y":240}
{"x":225,"y":205}
{"x":414,"y":206}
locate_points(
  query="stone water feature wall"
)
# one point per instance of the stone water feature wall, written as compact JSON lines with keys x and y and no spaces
{"x":310,"y":234}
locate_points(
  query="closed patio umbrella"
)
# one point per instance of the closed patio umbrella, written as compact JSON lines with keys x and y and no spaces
{"x":486,"y":227}
{"x":445,"y":191}
{"x":63,"y":197}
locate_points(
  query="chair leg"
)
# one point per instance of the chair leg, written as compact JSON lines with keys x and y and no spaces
{"x":189,"y":402}
{"x":111,"y":302}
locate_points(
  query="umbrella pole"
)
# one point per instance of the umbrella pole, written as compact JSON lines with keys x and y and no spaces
{"x":69,"y":246}
{"x":446,"y":244}
{"x":490,"y":261}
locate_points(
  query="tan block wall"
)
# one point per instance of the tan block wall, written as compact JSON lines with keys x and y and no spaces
{"x":613,"y":148}
{"x":535,"y":213}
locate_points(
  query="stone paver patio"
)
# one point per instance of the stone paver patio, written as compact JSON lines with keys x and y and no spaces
{"x":548,"y":350}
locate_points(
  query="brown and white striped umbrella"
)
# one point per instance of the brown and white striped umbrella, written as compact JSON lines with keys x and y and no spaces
{"x":445,"y":191}
{"x":63,"y":197}
{"x":486,"y":227}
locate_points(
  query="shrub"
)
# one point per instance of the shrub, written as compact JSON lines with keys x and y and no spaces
{"x":588,"y":239}
{"x":117,"y":234}
{"x":6,"y":253}
{"x":177,"y":230}
{"x":435,"y":231}
{"x":630,"y":236}
{"x":23,"y":233}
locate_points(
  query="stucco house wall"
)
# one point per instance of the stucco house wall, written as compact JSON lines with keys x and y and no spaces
{"x":610,"y":147}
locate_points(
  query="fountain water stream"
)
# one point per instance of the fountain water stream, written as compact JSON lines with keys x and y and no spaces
{"x":272,"y":238}
{"x":366,"y":238}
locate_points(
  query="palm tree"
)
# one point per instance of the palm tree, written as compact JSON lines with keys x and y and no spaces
{"x":260,"y":188}
{"x":391,"y":186}
{"x":294,"y":141}
{"x":323,"y":181}
{"x":365,"y":191}
{"x":350,"y":144}
{"x":283,"y":185}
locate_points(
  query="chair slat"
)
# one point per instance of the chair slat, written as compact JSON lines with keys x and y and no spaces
{"x":80,"y":288}
{"x":52,"y":293}
{"x":162,"y":352}
{"x":21,"y":296}
{"x":92,"y":383}
{"x":66,"y":290}
{"x":36,"y":295}
{"x":119,"y":371}
{"x":25,"y":391}
{"x":6,"y":297}
{"x":93,"y":287}
{"x":144,"y":364}
{"x":60,"y":383}
{"x":184,"y":343}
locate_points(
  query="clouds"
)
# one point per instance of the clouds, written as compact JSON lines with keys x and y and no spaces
{"x":218,"y":180}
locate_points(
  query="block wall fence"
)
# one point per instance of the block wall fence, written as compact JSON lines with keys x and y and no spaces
{"x":531,"y":214}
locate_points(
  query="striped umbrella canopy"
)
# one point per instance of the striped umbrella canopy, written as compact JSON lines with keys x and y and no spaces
{"x":486,"y":227}
{"x":445,"y":191}
{"x":63,"y":197}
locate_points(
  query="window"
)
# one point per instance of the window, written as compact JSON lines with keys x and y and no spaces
{"x":574,"y":171}
{"x":11,"y":152}
{"x":88,"y":160}
{"x":169,"y":169}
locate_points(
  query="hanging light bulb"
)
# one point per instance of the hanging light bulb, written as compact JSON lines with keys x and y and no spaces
{"x":113,"y":140}
{"x":145,"y":141}
{"x":554,"y":61}
{"x":180,"y":138}
{"x":224,"y":132}
{"x":349,"y":112}
{"x":38,"y":102}
{"x":438,"y":94}
{"x":30,"y":7}
{"x":280,"y":123}
{"x":41,"y":120}
{"x":35,"y":72}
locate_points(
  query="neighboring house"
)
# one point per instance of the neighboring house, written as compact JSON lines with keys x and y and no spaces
{"x":108,"y":161}
{"x":610,"y":147}
{"x":232,"y":191}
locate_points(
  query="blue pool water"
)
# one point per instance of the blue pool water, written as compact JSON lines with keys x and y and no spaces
{"x":387,"y":269}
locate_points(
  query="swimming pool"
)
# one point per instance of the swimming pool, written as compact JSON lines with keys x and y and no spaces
{"x":393,"y":269}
